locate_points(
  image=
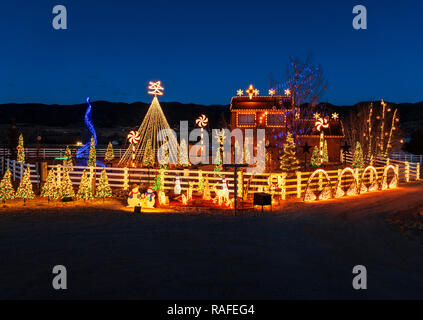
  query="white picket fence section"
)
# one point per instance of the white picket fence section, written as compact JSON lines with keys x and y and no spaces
{"x":46,"y":153}
{"x":407,"y":157}
{"x":17,"y":169}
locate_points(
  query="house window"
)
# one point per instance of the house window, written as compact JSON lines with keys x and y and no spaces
{"x":275,"y":120}
{"x":246,"y":119}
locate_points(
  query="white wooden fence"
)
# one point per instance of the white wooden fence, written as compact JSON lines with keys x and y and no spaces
{"x":407,"y":157}
{"x":17,"y":170}
{"x":46,"y":153}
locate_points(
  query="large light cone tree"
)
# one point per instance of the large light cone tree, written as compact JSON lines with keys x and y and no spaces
{"x":154,"y":121}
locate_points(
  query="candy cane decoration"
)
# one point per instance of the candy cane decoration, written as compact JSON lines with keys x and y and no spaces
{"x":319,"y":124}
{"x":133,"y":138}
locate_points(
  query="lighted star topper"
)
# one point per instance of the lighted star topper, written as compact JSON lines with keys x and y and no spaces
{"x":321,"y":123}
{"x":155,"y":88}
{"x":251,"y":91}
{"x":287,"y":92}
{"x":272,"y":92}
{"x":240,"y":92}
{"x":335,"y":116}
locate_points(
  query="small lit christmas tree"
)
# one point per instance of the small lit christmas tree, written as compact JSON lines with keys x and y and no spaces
{"x":6,"y":188}
{"x":315,"y":160}
{"x":148,"y":157}
{"x":158,"y":183}
{"x":206,"y":192}
{"x":201,"y":181}
{"x":66,"y":188}
{"x":20,"y":149}
{"x":110,"y":153}
{"x":85,"y":187}
{"x":183,"y":154}
{"x":103,"y":188}
{"x":68,"y":161}
{"x":289,"y":161}
{"x":25,"y":187}
{"x":50,"y":189}
{"x":358,"y":161}
{"x":92,"y":161}
{"x":325,"y":157}
{"x":218,"y":163}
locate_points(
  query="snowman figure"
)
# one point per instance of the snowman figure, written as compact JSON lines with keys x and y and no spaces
{"x":150,"y":198}
{"x":177,"y":188}
{"x":134,"y":199}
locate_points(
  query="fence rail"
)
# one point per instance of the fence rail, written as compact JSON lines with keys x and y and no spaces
{"x":17,"y":170}
{"x":46,"y":153}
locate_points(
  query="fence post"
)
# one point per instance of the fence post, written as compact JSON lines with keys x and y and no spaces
{"x":417,"y":171}
{"x":407,"y":171}
{"x":125,"y":179}
{"x":298,"y":184}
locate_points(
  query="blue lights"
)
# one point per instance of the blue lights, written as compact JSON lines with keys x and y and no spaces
{"x":83,"y":152}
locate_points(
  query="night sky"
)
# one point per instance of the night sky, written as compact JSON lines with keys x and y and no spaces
{"x":203,"y":51}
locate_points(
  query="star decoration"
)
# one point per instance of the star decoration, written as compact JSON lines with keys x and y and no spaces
{"x":306,"y":148}
{"x":287,"y":92}
{"x":316,"y":116}
{"x":155,"y":88}
{"x":272,"y":92}
{"x":251,"y":91}
{"x":335,"y":116}
{"x":297,"y":116}
{"x":240,"y":92}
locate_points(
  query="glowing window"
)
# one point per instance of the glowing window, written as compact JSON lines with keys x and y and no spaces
{"x":275,"y":119}
{"x":246,"y":119}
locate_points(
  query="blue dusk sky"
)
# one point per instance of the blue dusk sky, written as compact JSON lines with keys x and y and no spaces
{"x":203,"y":51}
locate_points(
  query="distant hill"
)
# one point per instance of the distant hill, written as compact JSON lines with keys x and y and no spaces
{"x":113,"y":120}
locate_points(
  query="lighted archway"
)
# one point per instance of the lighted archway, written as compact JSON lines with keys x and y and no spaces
{"x":373,"y":184}
{"x":352,"y":189}
{"x":325,"y":194}
{"x":394,"y":182}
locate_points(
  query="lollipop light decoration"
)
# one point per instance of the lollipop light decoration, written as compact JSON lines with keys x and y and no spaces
{"x":202,"y":122}
{"x":133,"y":138}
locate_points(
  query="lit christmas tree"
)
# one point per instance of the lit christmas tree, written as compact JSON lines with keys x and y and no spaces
{"x":325,"y":152}
{"x":25,"y":187}
{"x":66,"y":188}
{"x":103,"y":187}
{"x":110,"y":153}
{"x":68,"y":161}
{"x":201,"y":181}
{"x":315,"y":160}
{"x":148,"y":157}
{"x":6,"y":188}
{"x":50,"y":189}
{"x":158,"y":183}
{"x":289,"y":161}
{"x":20,"y":149}
{"x":85,"y":187}
{"x":218,"y":163}
{"x":183,"y":154}
{"x":92,"y":161}
{"x":358,"y":161}
{"x":206,"y":192}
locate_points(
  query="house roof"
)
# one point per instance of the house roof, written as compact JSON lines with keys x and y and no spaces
{"x":261,"y":103}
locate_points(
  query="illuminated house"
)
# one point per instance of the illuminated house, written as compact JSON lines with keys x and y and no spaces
{"x":277,"y":116}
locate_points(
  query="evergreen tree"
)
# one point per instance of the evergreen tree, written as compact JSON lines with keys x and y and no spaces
{"x":158,"y":183}
{"x":201,"y":181}
{"x":183,"y":154}
{"x":218,"y":163}
{"x":110,"y":153}
{"x":85,"y":187}
{"x":68,"y":162}
{"x":315,"y":160}
{"x":358,"y":161}
{"x":92,"y":161}
{"x":325,"y":152}
{"x":66,"y":188}
{"x":148,"y":157}
{"x":20,"y":149}
{"x":50,"y":188}
{"x":289,"y":161}
{"x":103,"y":187}
{"x":6,"y":188}
{"x":25,"y":187}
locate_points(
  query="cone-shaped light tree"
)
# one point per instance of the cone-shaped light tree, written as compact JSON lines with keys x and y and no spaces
{"x":183,"y":154}
{"x":85,"y":187}
{"x":20,"y":150}
{"x":315,"y":160}
{"x":154,"y":122}
{"x":103,"y":189}
{"x":358,"y":161}
{"x":66,"y":188}
{"x":289,"y":161}
{"x":25,"y":187}
{"x":68,"y":161}
{"x":325,"y":157}
{"x":92,"y":161}
{"x":148,"y":157}
{"x":110,"y":153}
{"x":6,"y":188}
{"x":50,"y":189}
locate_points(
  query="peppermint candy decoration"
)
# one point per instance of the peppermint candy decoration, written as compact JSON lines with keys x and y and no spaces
{"x":202,"y":121}
{"x":134,"y":137}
